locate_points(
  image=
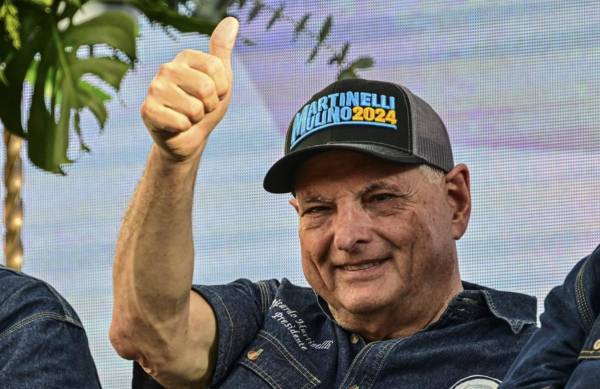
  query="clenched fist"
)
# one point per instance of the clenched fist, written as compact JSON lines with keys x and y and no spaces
{"x":190,"y":95}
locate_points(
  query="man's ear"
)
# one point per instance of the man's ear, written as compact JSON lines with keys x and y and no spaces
{"x":294,"y":203}
{"x":458,"y":187}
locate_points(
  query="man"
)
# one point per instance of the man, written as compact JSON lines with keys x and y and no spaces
{"x":42,"y":341}
{"x":565,"y":351}
{"x":380,"y":205}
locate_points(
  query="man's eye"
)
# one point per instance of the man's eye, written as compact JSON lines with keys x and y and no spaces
{"x":381,"y":197}
{"x":315,"y":210}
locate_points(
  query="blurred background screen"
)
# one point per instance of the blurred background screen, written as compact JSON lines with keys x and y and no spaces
{"x":516,"y":83}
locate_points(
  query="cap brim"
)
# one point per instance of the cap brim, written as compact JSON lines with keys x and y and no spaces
{"x":280,"y":177}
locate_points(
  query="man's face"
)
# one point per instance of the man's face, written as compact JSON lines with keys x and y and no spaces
{"x":374,"y":235}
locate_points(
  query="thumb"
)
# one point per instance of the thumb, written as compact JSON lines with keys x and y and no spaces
{"x":222,"y":40}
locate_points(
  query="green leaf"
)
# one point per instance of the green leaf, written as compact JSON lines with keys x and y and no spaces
{"x":3,"y":79}
{"x":323,"y":33}
{"x":86,"y":87}
{"x":16,"y":63}
{"x":248,"y":42}
{"x":57,"y":76}
{"x":301,"y":26}
{"x":112,"y":28}
{"x":346,"y":74}
{"x":350,"y":71}
{"x":276,"y":16}
{"x":47,"y":142}
{"x":363,"y":63}
{"x":313,"y":53}
{"x":341,"y":57}
{"x":258,"y":7}
{"x":9,"y":15}
{"x":325,"y":29}
{"x":160,"y":12}
{"x":94,"y":99}
{"x":109,"y":70}
{"x":45,"y":3}
{"x":77,"y":126}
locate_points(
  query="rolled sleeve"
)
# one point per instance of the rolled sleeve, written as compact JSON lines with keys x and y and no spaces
{"x":239,"y":308}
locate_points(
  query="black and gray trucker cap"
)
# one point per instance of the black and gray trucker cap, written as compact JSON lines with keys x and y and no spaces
{"x":378,"y":118}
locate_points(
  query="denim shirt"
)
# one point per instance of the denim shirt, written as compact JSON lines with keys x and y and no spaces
{"x":565,"y":351}
{"x":42,"y":341}
{"x":277,"y":335}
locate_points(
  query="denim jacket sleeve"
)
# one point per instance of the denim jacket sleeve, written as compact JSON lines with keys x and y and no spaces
{"x":556,"y":349}
{"x":240,"y":307}
{"x":42,"y":341}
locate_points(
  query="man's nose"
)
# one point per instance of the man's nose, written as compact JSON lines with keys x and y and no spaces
{"x":352,"y":228}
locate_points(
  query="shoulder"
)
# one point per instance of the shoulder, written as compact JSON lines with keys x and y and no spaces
{"x":518,"y":310}
{"x":581,"y":289}
{"x":25,"y":299}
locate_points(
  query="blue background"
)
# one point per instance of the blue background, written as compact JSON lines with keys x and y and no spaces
{"x":516,"y":82}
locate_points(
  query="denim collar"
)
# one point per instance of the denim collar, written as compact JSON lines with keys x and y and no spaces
{"x":515,"y":309}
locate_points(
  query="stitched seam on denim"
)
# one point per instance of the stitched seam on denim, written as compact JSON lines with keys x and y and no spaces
{"x":261,"y":373}
{"x":308,"y":385}
{"x":38,"y":317}
{"x":581,"y":300}
{"x":59,"y":298}
{"x":289,"y":357}
{"x":516,"y":325}
{"x":362,"y":354}
{"x":263,"y":296}
{"x":230,"y":340}
{"x":381,"y":356}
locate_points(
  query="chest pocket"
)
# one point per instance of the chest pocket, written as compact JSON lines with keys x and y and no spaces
{"x":269,"y":359}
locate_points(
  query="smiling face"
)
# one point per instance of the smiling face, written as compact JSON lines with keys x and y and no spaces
{"x":377,"y":240}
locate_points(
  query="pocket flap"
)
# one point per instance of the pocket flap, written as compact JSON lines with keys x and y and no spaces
{"x":268,"y":357}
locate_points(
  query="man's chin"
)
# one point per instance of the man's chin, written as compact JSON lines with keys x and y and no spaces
{"x":364,"y":303}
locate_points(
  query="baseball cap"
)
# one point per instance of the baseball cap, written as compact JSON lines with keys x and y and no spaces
{"x":382,"y":119}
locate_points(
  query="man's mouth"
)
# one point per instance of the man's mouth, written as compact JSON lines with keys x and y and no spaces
{"x":364,"y":265}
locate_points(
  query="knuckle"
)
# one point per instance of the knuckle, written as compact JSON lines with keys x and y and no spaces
{"x":213,"y":65}
{"x":185,"y":55}
{"x":156,"y":87}
{"x":166,"y":69}
{"x":181,"y":124}
{"x":222,"y":88}
{"x":206,"y":89}
{"x":146,"y":109}
{"x":196,"y":110}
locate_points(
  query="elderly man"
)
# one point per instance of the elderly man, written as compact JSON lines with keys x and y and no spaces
{"x":380,"y":206}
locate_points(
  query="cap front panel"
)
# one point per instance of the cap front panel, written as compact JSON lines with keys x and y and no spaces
{"x":360,"y":115}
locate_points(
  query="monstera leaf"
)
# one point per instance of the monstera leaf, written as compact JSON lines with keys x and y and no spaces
{"x":61,"y":69}
{"x":165,"y":14}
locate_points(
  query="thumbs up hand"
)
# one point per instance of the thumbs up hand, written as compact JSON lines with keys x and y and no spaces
{"x":190,"y":95}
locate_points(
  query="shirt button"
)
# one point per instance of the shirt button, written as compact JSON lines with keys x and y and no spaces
{"x":597,"y":345}
{"x":254,"y":354}
{"x":354,"y":339}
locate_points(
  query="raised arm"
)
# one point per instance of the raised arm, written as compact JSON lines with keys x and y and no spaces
{"x":157,"y":320}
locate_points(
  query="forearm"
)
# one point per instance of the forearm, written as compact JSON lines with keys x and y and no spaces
{"x":154,"y":255}
{"x":157,"y":320}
